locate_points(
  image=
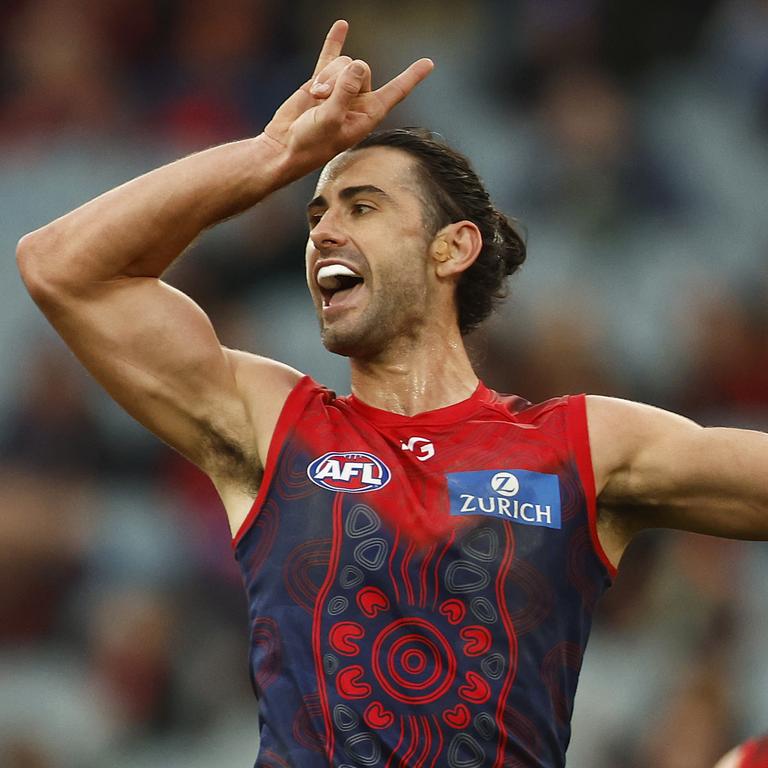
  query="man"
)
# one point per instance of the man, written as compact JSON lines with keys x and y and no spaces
{"x":421,"y":558}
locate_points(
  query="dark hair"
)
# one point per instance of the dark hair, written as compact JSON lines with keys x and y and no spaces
{"x":454,"y":192}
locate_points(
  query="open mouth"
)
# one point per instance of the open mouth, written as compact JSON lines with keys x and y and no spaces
{"x":336,"y":283}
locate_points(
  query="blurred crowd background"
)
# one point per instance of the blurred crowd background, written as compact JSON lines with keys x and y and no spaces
{"x":629,"y":138}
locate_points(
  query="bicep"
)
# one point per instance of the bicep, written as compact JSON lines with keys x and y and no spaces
{"x":156,"y":353}
{"x":657,"y":469}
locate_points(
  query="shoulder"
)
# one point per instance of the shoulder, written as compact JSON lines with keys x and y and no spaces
{"x":264,"y":386}
{"x":629,"y":418}
{"x":521,"y":409}
{"x":251,"y":370}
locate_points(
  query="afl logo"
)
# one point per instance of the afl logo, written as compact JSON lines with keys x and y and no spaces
{"x":349,"y":472}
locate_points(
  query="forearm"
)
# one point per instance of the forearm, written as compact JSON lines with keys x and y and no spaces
{"x":655,"y":469}
{"x":708,"y":480}
{"x":713,"y":481}
{"x":140,"y":227}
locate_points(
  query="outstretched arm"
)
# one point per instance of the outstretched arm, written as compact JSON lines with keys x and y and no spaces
{"x":655,"y":469}
{"x":96,"y":272}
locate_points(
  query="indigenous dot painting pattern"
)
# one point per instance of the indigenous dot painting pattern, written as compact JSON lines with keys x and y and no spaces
{"x":387,"y":632}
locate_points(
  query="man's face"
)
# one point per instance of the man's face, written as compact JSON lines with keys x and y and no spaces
{"x":367,"y":253}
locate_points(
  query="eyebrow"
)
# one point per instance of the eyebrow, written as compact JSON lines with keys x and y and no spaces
{"x":348,"y":193}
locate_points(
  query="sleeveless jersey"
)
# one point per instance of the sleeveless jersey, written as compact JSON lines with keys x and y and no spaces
{"x":421,"y":588}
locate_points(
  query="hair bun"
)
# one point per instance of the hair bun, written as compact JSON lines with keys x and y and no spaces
{"x":454,"y":192}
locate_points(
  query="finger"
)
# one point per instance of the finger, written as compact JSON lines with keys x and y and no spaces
{"x":399,"y":87}
{"x":322,"y":85}
{"x":366,"y":85}
{"x":348,"y":85}
{"x":334,"y":42}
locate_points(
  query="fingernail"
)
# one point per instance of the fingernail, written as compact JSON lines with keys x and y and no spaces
{"x":318,"y":87}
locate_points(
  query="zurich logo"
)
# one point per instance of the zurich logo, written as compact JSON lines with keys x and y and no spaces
{"x":349,"y":472}
{"x":505,"y":483}
{"x":517,"y":495}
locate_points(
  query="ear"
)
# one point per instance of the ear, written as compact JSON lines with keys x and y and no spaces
{"x":455,"y":248}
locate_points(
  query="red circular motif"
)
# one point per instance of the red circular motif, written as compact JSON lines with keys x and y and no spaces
{"x":393,"y":657}
{"x":415,"y":661}
{"x":407,"y":639}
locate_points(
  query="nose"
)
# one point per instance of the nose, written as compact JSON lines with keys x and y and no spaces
{"x":327,"y":233}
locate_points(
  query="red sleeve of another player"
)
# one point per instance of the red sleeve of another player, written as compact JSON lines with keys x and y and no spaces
{"x":578,"y":436}
{"x":294,"y":406}
{"x":754,"y":754}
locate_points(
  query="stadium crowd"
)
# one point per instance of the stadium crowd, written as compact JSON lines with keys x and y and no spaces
{"x":630,"y":139}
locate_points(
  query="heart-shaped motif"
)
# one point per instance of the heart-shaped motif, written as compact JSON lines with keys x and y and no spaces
{"x":377,"y":717}
{"x":476,"y":690}
{"x":477,"y":640}
{"x":371,"y":600}
{"x":344,"y":636}
{"x":350,"y":685}
{"x":453,"y":610}
{"x":458,"y":717}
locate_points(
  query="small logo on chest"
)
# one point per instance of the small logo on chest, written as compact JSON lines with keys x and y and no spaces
{"x":420,"y":447}
{"x":522,"y":496}
{"x":349,"y":472}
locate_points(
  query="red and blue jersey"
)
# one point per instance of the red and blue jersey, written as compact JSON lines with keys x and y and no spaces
{"x":421,"y":588}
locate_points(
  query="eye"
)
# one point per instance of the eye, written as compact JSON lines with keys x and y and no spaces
{"x":314,"y":219}
{"x":361,"y":208}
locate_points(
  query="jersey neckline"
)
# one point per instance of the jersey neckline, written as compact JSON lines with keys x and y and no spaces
{"x":444,"y":415}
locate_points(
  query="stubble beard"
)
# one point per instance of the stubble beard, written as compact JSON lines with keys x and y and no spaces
{"x":393,"y":314}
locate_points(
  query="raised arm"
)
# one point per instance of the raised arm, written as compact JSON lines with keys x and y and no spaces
{"x":655,"y":469}
{"x":96,"y":273}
